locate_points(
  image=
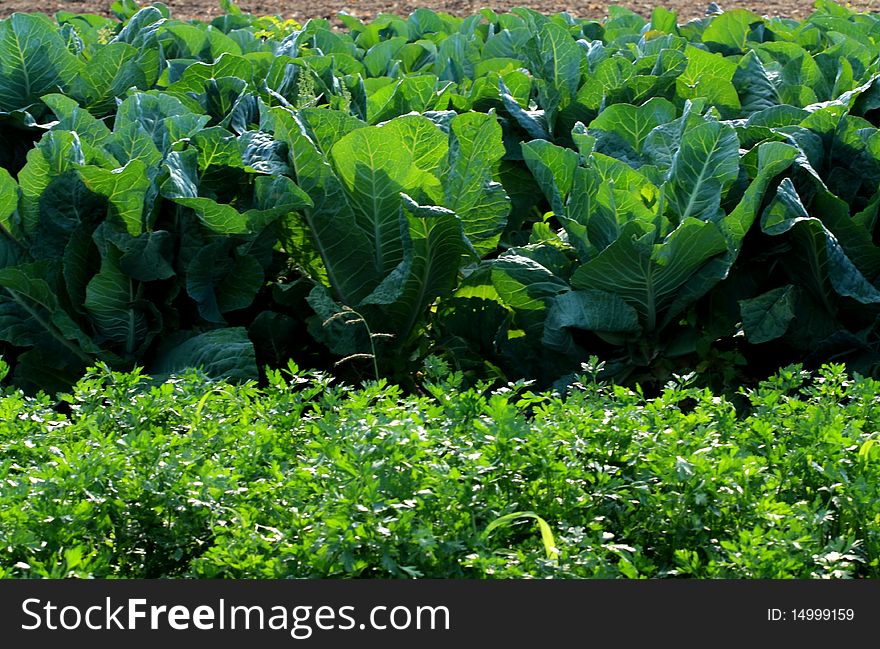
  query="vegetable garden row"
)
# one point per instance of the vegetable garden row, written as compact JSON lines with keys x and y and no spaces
{"x":512,"y":193}
{"x":438,"y":206}
{"x":307,"y":478}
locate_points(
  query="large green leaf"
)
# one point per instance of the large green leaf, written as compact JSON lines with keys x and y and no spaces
{"x":145,"y":258}
{"x":272,"y":197}
{"x":140,"y":28}
{"x":197,"y":77}
{"x":217,"y":147}
{"x":131,"y":142}
{"x":125,"y":190}
{"x":348,"y":259}
{"x":470,"y":186}
{"x":163,"y":117}
{"x":519,"y":283}
{"x":632,"y":124}
{"x":34,"y":60}
{"x":663,"y":143}
{"x":112,"y":70}
{"x":223,"y":353}
{"x":438,"y":246}
{"x":709,"y":76}
{"x":595,"y":212}
{"x":773,"y":158}
{"x":729,"y":32}
{"x":343,"y":330}
{"x":118,"y":312}
{"x":30,"y":313}
{"x":412,"y":93}
{"x":533,"y":122}
{"x":374,"y":165}
{"x":589,"y":310}
{"x":326,"y":127}
{"x":56,"y":153}
{"x":703,"y":168}
{"x":768,"y":316}
{"x":556,"y":59}
{"x":756,"y":90}
{"x":9,"y":197}
{"x":553,"y":168}
{"x":649,"y":276}
{"x":427,"y":146}
{"x":73,"y":118}
{"x":221,"y":280}
{"x":821,"y":261}
{"x":593,"y":201}
{"x":379,"y":58}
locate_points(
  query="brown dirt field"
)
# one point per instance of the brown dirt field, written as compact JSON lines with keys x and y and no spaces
{"x":304,"y":9}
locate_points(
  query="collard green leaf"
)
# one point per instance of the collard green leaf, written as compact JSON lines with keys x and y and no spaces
{"x":140,"y":27}
{"x":470,"y":186}
{"x":220,"y":98}
{"x":9,"y":197}
{"x":119,"y":315}
{"x":663,"y":142}
{"x":30,"y":313}
{"x":76,"y":267}
{"x":65,"y":205}
{"x":148,"y":257}
{"x":162,"y":117}
{"x":520,"y":284}
{"x":773,"y":159}
{"x":273,"y":197}
{"x":343,"y":330}
{"x":112,"y":70}
{"x":768,"y":316}
{"x":56,"y":153}
{"x":664,"y":20}
{"x":757,"y":92}
{"x":648,"y":276}
{"x":427,"y":146}
{"x":824,"y":263}
{"x":125,"y":190}
{"x":704,"y":167}
{"x":347,"y":258}
{"x":33,"y":61}
{"x":381,"y":57}
{"x":196,"y":77}
{"x":219,"y":217}
{"x":412,"y":93}
{"x":534,"y":123}
{"x":132,"y":142}
{"x":188,"y":41}
{"x":222,"y":280}
{"x":222,"y":353}
{"x":589,"y":310}
{"x":218,"y":147}
{"x":326,"y":127}
{"x":728,"y":33}
{"x":556,"y":59}
{"x":632,"y":124}
{"x":374,"y":165}
{"x":709,"y":76}
{"x":73,"y":118}
{"x":438,"y":246}
{"x":593,"y":218}
{"x":553,"y":168}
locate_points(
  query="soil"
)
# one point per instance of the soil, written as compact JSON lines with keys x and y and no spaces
{"x":303,"y":9}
